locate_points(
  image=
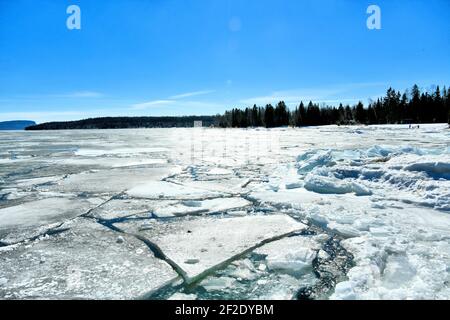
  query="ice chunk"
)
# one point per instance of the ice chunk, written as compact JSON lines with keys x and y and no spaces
{"x":166,"y":190}
{"x":293,"y":255}
{"x":216,"y":284}
{"x":219,"y":172}
{"x":294,"y":197}
{"x":398,"y":272}
{"x":201,"y":207}
{"x":328,"y":185}
{"x":344,"y":291}
{"x":435,"y":169}
{"x":182,"y":296}
{"x":309,"y":161}
{"x":84,"y":262}
{"x":123,"y":208}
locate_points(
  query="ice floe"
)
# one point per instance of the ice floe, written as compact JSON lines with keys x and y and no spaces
{"x":31,"y":219}
{"x":74,"y":265}
{"x":167,"y":190}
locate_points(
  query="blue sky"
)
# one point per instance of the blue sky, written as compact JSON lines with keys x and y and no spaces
{"x":179,"y":57}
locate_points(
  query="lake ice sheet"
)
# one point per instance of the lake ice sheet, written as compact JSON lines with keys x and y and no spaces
{"x":326,"y":213}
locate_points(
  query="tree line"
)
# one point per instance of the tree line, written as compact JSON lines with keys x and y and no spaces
{"x":127,"y":123}
{"x":413,"y":106}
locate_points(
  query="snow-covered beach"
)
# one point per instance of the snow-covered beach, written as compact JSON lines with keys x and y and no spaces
{"x":320,"y":213}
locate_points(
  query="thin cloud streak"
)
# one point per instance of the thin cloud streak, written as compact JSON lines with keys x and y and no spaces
{"x":151,"y":104}
{"x":169,"y":101}
{"x":80,"y":94}
{"x":191,"y":94}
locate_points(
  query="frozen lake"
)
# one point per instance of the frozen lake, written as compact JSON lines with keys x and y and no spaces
{"x":312,"y":213}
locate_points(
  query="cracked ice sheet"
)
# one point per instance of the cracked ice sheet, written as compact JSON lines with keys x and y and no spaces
{"x":31,"y":219}
{"x":199,"y":246}
{"x":110,"y":181}
{"x":88,"y":261}
{"x":167,"y":190}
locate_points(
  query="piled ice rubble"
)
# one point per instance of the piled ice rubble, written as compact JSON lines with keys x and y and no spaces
{"x":390,"y":203}
{"x":420,"y":175}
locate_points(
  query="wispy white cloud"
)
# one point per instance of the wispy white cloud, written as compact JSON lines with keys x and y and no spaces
{"x":151,"y":104}
{"x":191,"y":94}
{"x":171,"y":100}
{"x":79,"y":94}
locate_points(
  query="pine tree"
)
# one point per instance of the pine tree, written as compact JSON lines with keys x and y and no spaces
{"x":269,"y":115}
{"x":360,"y":113}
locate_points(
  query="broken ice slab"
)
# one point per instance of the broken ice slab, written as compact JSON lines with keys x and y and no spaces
{"x":167,"y":190}
{"x":28,"y":183}
{"x":88,"y":261}
{"x":31,"y":219}
{"x":201,"y":207}
{"x":120,"y":151}
{"x":110,"y":181}
{"x":125,"y":208}
{"x":287,"y":198}
{"x":228,"y":186}
{"x":202,"y":245}
{"x":100,"y":162}
{"x":182,"y":297}
{"x":291,"y":255}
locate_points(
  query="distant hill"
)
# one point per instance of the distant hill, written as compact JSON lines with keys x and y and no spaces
{"x":16,"y":124}
{"x":128,"y":123}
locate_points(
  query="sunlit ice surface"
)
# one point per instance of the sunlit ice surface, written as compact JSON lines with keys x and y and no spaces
{"x":307,"y":213}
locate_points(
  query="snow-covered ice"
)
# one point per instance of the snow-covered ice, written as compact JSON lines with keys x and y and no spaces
{"x":31,"y":219}
{"x":76,"y":263}
{"x":321,"y":212}
{"x":201,"y":245}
